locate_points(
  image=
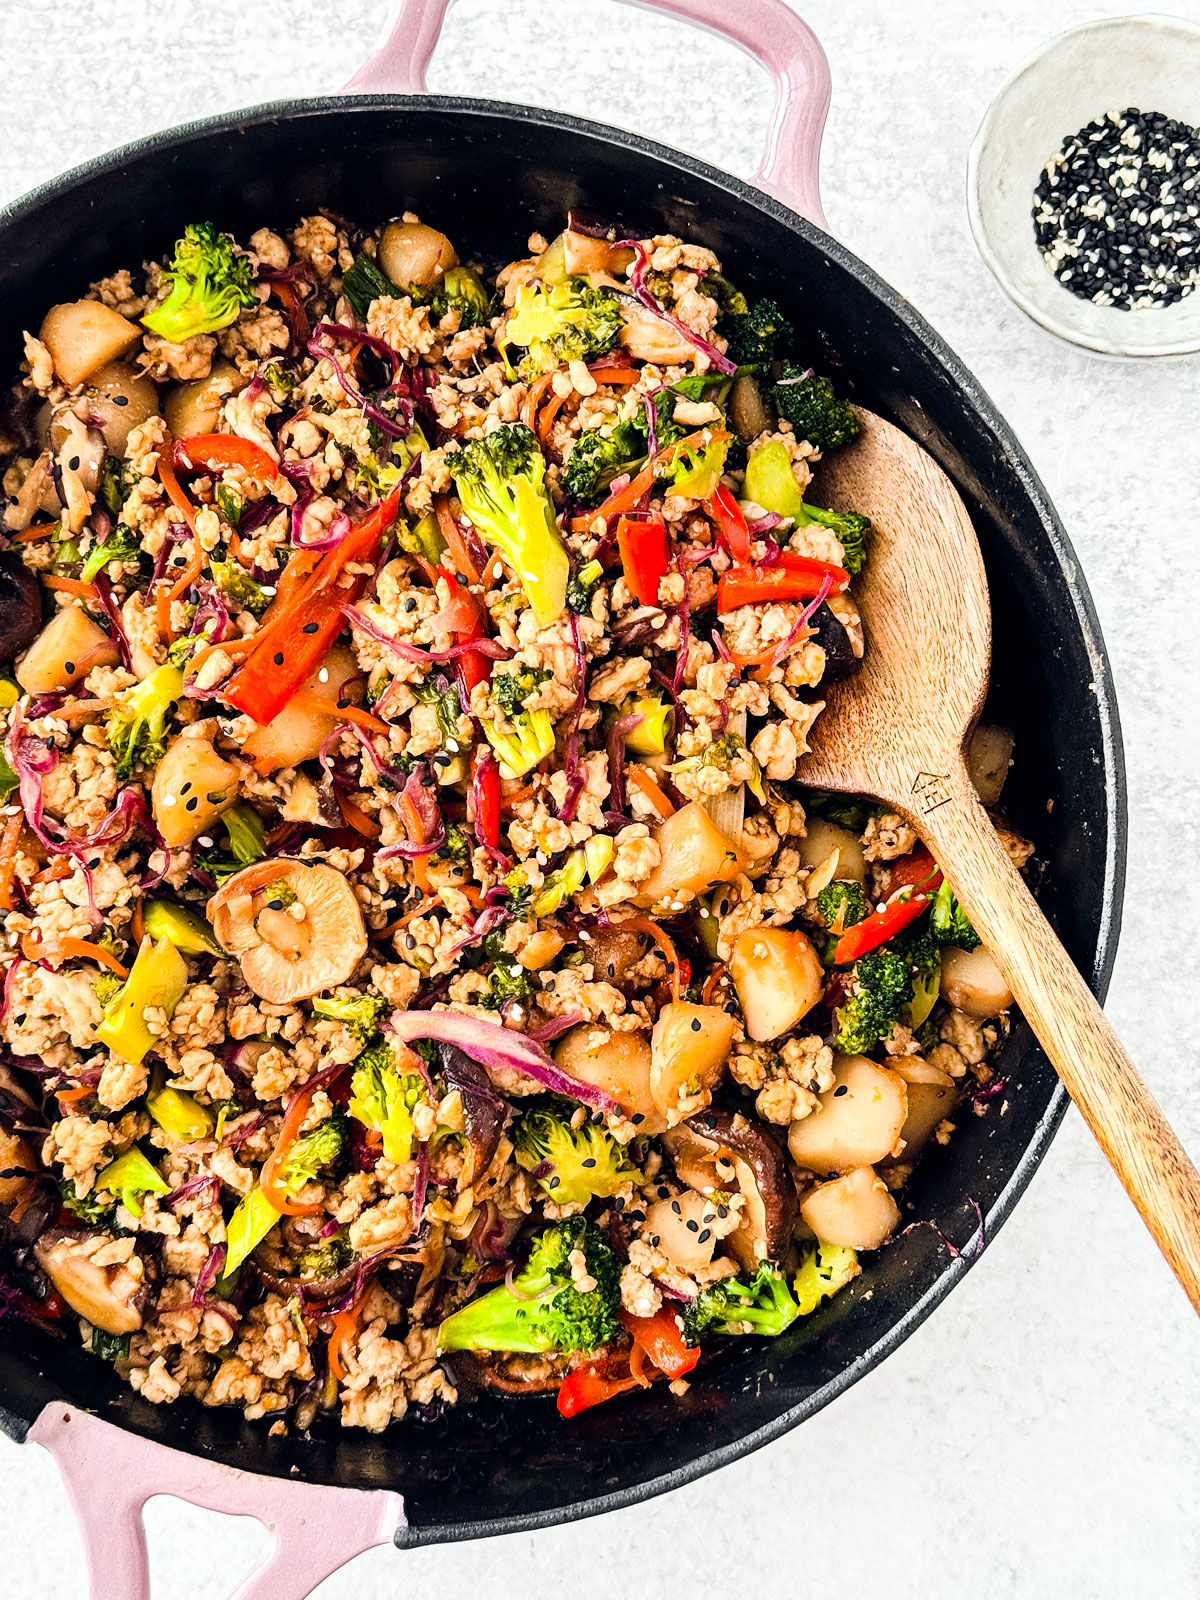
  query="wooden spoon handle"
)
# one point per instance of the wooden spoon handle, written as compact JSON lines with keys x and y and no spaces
{"x":1131,"y":1129}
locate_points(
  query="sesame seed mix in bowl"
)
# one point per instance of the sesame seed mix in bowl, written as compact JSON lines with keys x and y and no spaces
{"x":1117,"y":211}
{"x":422,"y":970}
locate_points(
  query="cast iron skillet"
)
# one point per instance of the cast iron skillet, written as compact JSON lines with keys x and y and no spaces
{"x":489,"y":174}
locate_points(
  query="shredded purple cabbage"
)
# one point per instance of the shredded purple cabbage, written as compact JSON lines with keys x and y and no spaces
{"x":495,"y":1046}
{"x":491,"y":648}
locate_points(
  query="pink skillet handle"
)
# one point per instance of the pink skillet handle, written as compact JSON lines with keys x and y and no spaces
{"x":109,"y":1475}
{"x":769,"y":30}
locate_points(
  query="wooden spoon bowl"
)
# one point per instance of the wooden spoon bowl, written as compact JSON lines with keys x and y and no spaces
{"x":896,"y":731}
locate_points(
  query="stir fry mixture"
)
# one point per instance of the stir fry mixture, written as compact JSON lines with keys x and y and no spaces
{"x":422,"y":969}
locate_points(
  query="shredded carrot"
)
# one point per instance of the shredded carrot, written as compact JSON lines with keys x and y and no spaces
{"x":300,"y":563}
{"x":492,"y":571}
{"x":428,"y":904}
{"x":166,"y":476}
{"x":627,"y":498}
{"x":547,"y":415}
{"x":316,"y":706}
{"x":137,"y":928}
{"x":416,"y":835}
{"x":641,"y":779}
{"x":61,"y":867}
{"x":188,"y":575}
{"x":533,"y":399}
{"x":267,"y":1179}
{"x":355,"y":817}
{"x":296,"y":314}
{"x":711,"y":983}
{"x":41,"y":530}
{"x":9,"y":841}
{"x":162,"y":612}
{"x":508,"y":801}
{"x":454,"y":539}
{"x":85,"y":950}
{"x":662,"y":940}
{"x":615,"y":377}
{"x":283,"y":830}
{"x":235,"y":549}
{"x":85,"y":591}
{"x":637,"y":1365}
{"x":80,"y":1092}
{"x":344,"y":1325}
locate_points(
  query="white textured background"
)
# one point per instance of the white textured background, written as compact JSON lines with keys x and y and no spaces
{"x":1038,"y":1437}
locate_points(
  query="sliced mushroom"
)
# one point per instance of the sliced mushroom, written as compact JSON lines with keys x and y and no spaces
{"x":20,"y":606}
{"x":18,"y":1167}
{"x":484,"y":1113}
{"x":649,"y":338}
{"x":36,"y":494}
{"x":294,"y":950}
{"x":714,"y":1147}
{"x":110,"y":1297}
{"x":116,"y":401}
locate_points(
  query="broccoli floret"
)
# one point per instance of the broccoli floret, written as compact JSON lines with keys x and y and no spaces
{"x":520,"y":894}
{"x":762,"y":1304}
{"x":510,"y":690}
{"x":597,"y":457}
{"x":360,"y":1012}
{"x":816,"y":413}
{"x":825,"y":1269}
{"x":210,"y":286}
{"x":137,"y":723}
{"x":442,"y":695}
{"x":110,"y":1346}
{"x":722,"y":753}
{"x":573,"y":1165}
{"x":314,"y":1152}
{"x":565,"y":321}
{"x":949,"y":923}
{"x":93,"y":1208}
{"x":130,"y":1177}
{"x":501,"y":482}
{"x":727,"y":295}
{"x":849,"y":528}
{"x":881,"y":986}
{"x":696,"y":469}
{"x":238,"y":587}
{"x":422,"y":538}
{"x":462,"y":290}
{"x":364,"y":282}
{"x":114,"y":485}
{"x":281,"y":379}
{"x":121,"y":545}
{"x":457,"y":846}
{"x":840,"y":905}
{"x":756,"y":336}
{"x":925,"y":963}
{"x":382,"y":1098}
{"x":840,"y":809}
{"x":544,"y":1310}
{"x":247,"y":842}
{"x":323,"y":1259}
{"x":508,"y":980}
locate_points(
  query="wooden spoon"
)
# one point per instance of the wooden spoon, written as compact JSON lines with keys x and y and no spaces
{"x":896,"y":731}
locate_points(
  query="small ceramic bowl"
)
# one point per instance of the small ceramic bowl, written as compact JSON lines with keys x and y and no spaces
{"x":1151,"y":62}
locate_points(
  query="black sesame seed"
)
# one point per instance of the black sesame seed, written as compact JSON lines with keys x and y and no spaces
{"x":410,"y":941}
{"x":74,"y":463}
{"x":695,"y":1024}
{"x":21,"y":1020}
{"x":192,"y":803}
{"x":68,"y":666}
{"x":637,"y":1118}
{"x":120,"y":399}
{"x":588,"y":1161}
{"x":663,"y":1192}
{"x":184,"y":787}
{"x":278,"y":658}
{"x":840,"y":1090}
{"x":676,"y":1208}
{"x":274,"y":905}
{"x":692,"y":1225}
{"x":309,"y":627}
{"x":704,"y":1235}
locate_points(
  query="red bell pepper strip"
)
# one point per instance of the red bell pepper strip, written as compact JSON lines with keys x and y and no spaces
{"x":800,"y":579}
{"x":917,"y":870}
{"x":485,"y":795}
{"x":585,"y":1387}
{"x":465,"y":618}
{"x":222,"y":450}
{"x":878,"y":928}
{"x":298,"y":636}
{"x":731,"y":524}
{"x":659,"y":1337}
{"x":645,"y":555}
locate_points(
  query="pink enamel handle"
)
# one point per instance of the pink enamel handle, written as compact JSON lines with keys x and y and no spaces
{"x":109,"y":1475}
{"x":769,"y":30}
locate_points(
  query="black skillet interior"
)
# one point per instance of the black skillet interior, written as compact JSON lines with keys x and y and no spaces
{"x":489,"y":175}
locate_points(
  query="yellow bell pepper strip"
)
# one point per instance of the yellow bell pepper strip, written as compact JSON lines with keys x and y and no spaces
{"x":129,"y":1177}
{"x":645,"y":553}
{"x":793,"y":578}
{"x":297,"y":637}
{"x":186,"y":929}
{"x":180,"y":1115}
{"x":158,"y":978}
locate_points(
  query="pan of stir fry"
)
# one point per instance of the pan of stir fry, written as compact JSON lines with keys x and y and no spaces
{"x":445,"y":1048}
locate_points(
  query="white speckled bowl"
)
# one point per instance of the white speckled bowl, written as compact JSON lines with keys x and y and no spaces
{"x":1151,"y":62}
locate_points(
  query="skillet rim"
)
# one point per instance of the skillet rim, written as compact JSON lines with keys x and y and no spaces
{"x":27,"y":206}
